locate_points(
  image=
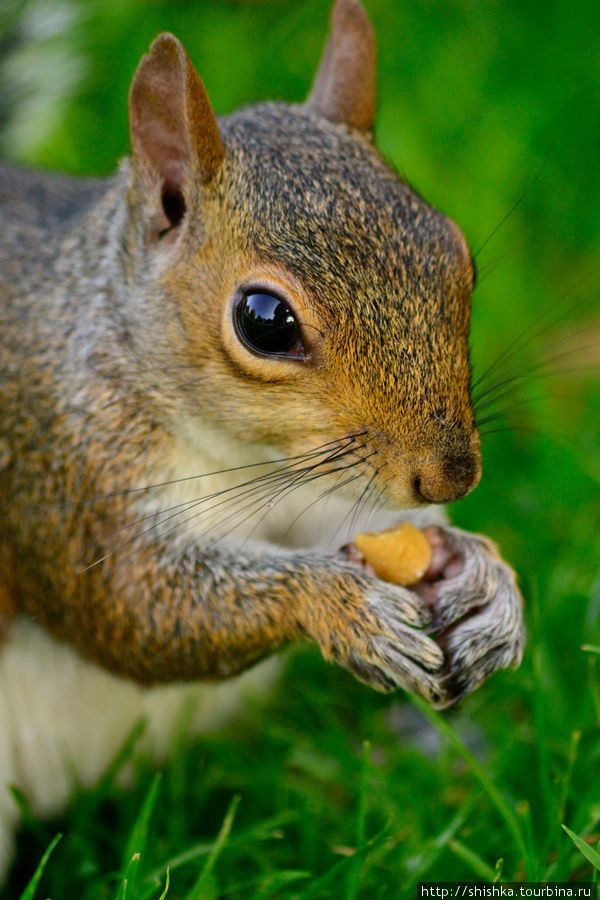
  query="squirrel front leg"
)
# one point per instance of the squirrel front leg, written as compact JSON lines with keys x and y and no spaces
{"x":209,"y":612}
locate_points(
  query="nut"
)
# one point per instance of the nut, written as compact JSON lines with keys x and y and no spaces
{"x":401,"y":554}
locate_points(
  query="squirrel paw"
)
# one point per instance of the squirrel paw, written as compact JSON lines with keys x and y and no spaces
{"x":476,"y":607}
{"x":379,"y":636}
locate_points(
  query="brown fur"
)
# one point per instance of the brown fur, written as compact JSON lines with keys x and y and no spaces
{"x":117,"y":327}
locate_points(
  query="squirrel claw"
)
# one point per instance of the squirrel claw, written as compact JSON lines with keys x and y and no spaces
{"x":476,"y":609}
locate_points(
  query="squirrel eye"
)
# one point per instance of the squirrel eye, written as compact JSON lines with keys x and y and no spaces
{"x":267,"y":325}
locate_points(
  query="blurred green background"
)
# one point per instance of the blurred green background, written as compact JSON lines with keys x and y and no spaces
{"x":492,"y":111}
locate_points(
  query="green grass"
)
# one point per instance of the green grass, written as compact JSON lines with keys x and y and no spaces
{"x":328,"y":789}
{"x":290,"y":803}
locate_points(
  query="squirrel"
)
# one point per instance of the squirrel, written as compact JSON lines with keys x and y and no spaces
{"x":252,"y":337}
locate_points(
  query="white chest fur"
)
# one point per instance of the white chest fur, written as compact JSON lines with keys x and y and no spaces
{"x":61,"y":715}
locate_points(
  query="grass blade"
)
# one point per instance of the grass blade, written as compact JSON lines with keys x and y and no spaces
{"x":269,"y":884}
{"x":339,"y":869}
{"x":354,"y":876}
{"x":558,"y":869}
{"x":199,"y":890}
{"x":31,"y":888}
{"x":473,"y":860}
{"x":479,"y":772}
{"x":129,"y":878}
{"x":420,"y":864}
{"x":565,"y":782}
{"x":124,"y":754}
{"x":37,"y":829}
{"x":137,"y":841}
{"x":166,"y":890}
{"x":539,"y":710}
{"x":255,"y":833}
{"x":590,"y":854}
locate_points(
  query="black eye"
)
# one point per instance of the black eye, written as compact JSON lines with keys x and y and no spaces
{"x":265,"y":324}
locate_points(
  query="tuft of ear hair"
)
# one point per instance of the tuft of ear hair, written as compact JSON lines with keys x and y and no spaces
{"x":173,"y":126}
{"x":344,"y":87}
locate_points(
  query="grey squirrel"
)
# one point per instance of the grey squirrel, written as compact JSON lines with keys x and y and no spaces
{"x":209,"y":362}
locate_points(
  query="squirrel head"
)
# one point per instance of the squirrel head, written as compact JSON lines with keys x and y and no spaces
{"x":311,"y":291}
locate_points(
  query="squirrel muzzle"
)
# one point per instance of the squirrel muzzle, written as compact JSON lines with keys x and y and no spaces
{"x":445,"y":479}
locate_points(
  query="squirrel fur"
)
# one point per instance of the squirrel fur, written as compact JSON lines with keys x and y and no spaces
{"x":169,"y":495}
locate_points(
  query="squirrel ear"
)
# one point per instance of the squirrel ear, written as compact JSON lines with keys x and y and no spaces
{"x":344,"y":86}
{"x":173,"y":126}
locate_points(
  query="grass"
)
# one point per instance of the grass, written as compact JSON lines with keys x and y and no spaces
{"x":290,"y":804}
{"x":328,"y":789}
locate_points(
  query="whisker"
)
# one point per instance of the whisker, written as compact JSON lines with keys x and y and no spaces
{"x":261,"y":485}
{"x":97,"y":498}
{"x":510,"y":352}
{"x":510,"y":385}
{"x":500,"y":413}
{"x":487,"y":270}
{"x":236,"y":491}
{"x":257,"y":504}
{"x":521,"y":427}
{"x":551,"y":327}
{"x":327,"y":493}
{"x":356,"y":508}
{"x":539,"y":366}
{"x":506,"y":217}
{"x":314,"y":477}
{"x":325,"y":506}
{"x":321,"y":449}
{"x":377,"y":504}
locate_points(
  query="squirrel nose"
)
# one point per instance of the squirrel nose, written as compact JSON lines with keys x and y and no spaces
{"x":447,"y":478}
